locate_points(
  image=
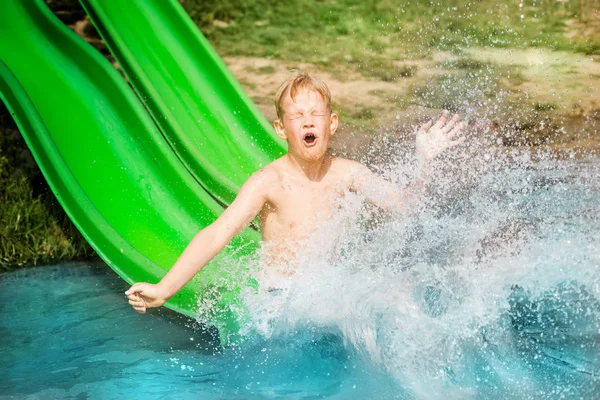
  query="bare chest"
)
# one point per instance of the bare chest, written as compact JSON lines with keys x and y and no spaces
{"x":297,"y":208}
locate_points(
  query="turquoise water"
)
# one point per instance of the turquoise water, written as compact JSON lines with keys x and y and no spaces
{"x":68,"y":333}
{"x":492,"y":291}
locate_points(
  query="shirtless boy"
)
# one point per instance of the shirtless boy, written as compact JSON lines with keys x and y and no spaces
{"x":294,"y":193}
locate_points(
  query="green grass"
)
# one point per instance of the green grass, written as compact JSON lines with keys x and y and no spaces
{"x":370,"y":36}
{"x":34,"y":229}
{"x":267,"y":69}
{"x":355,"y":118}
{"x":544,"y":106}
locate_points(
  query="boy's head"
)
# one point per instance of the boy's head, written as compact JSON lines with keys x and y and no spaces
{"x":296,"y":83}
{"x":305,"y":120}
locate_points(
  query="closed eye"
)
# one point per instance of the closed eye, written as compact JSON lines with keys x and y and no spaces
{"x":314,"y":114}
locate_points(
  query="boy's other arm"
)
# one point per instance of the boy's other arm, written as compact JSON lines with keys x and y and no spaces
{"x":432,"y":139}
{"x":386,"y":195}
{"x":205,"y":245}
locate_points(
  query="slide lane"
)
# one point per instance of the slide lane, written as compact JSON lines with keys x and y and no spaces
{"x":201,"y":109}
{"x":105,"y":160}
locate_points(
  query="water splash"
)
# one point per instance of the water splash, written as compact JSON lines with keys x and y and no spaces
{"x":493,"y":287}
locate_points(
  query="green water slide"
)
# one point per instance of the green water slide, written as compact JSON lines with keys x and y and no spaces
{"x":189,"y":91}
{"x":108,"y":164}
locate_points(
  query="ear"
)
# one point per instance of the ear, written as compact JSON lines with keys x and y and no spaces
{"x":278,"y":125}
{"x":333,"y":123}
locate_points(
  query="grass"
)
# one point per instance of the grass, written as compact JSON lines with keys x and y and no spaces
{"x":34,"y":229}
{"x":370,"y":36}
{"x":388,"y":72}
{"x":355,"y":117}
{"x":544,"y":106}
{"x":267,"y":69}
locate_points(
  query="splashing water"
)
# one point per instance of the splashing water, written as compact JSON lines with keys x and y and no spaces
{"x":493,"y":289}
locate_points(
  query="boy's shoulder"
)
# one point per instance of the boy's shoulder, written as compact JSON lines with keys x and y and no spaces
{"x":267,"y":175}
{"x":349,"y":167}
{"x":272,"y":170}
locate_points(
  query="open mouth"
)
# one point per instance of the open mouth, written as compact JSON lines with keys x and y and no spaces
{"x":310,"y":139}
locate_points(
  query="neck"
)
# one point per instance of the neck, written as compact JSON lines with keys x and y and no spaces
{"x":313,"y":170}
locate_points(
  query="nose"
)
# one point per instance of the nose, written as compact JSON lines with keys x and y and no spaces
{"x":308,"y":122}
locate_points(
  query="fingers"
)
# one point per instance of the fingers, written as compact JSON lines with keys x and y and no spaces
{"x":135,"y":288}
{"x":456,"y":129}
{"x":440,"y":122}
{"x":450,"y":124}
{"x":426,"y":126}
{"x":135,"y":300}
{"x":141,"y":310}
{"x":457,"y":142}
{"x":453,"y":133}
{"x":137,"y":303}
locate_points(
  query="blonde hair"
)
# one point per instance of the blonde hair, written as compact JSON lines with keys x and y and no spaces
{"x":301,"y":81}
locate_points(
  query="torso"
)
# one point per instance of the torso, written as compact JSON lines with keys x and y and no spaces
{"x":295,"y":207}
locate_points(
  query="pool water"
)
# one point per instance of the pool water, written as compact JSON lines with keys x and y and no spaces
{"x":491,"y":292}
{"x":68,"y":332}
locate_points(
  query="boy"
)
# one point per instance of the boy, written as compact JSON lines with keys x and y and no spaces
{"x":292,"y":194}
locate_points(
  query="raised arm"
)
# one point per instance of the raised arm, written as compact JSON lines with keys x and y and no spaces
{"x":432,"y":139}
{"x":205,"y":245}
{"x":386,"y":195}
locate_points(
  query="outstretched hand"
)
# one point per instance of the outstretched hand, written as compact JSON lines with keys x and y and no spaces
{"x":433,"y":139}
{"x":143,"y":296}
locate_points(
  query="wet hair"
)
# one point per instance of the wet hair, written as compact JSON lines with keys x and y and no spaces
{"x":298,"y":82}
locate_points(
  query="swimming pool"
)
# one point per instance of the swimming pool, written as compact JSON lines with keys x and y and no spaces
{"x":502,"y":276}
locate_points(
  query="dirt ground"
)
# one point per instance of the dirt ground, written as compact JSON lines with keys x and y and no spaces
{"x":562,"y":88}
{"x":571,"y":80}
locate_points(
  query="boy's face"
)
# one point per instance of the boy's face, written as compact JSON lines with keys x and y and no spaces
{"x":306,"y":124}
